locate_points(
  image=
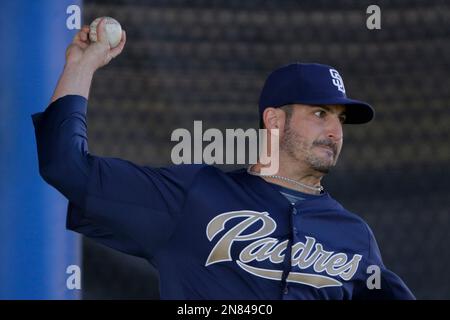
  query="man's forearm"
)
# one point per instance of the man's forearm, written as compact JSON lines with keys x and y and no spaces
{"x":76,"y":79}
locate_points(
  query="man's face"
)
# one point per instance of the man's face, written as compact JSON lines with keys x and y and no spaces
{"x":313,"y":135}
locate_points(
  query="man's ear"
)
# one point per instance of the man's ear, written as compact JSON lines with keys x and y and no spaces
{"x":271,"y":118}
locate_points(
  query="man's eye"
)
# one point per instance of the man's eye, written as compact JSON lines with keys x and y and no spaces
{"x":320,"y":113}
{"x":342,"y":117}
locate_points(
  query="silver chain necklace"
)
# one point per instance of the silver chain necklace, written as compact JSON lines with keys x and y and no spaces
{"x":316,"y":189}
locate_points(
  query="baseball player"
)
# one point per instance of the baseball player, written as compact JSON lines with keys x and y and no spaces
{"x":214,"y":234}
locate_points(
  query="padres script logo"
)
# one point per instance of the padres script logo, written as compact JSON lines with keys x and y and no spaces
{"x":304,"y":255}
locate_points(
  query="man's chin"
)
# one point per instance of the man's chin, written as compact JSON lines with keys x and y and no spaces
{"x":324,"y":170}
{"x":322,"y":166}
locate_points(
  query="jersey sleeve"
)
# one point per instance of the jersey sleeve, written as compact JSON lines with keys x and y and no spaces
{"x":390,"y":285}
{"x":131,"y":208}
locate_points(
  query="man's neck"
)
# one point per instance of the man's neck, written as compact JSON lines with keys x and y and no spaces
{"x":302,"y":175}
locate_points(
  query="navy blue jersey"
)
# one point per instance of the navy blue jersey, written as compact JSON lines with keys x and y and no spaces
{"x":211,"y":234}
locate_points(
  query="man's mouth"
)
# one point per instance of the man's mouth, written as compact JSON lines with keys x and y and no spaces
{"x":330,"y":149}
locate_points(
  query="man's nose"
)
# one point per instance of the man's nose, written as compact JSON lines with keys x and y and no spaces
{"x":334,"y":128}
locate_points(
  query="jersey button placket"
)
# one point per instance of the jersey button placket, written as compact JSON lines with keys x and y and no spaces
{"x":286,"y":289}
{"x":294,"y":214}
{"x":294,"y":211}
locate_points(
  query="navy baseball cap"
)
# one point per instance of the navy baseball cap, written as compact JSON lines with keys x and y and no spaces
{"x":313,"y":84}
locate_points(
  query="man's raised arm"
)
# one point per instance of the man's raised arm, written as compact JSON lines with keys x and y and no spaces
{"x":83,"y":58}
{"x":126,"y":206}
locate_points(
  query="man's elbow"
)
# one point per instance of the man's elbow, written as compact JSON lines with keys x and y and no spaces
{"x":67,"y":166}
{"x":68,"y":179}
{"x":52,"y":173}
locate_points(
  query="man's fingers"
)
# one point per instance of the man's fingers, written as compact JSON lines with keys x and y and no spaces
{"x":81,"y":44}
{"x":101,"y":34}
{"x":76,"y":37}
{"x":82,"y":35}
{"x":117,"y":50}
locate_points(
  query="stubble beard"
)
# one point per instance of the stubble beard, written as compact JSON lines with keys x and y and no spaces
{"x":296,"y":146}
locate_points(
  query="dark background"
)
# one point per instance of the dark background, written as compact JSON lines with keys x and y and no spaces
{"x":207,"y":60}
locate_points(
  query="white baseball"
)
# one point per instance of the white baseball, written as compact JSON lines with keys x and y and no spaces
{"x":113,"y":31}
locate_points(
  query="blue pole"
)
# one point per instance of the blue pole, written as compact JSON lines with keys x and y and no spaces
{"x":35,"y":248}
